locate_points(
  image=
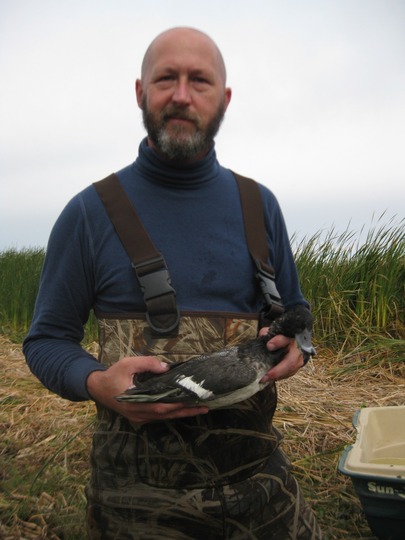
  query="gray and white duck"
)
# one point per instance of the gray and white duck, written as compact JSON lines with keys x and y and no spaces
{"x":225,"y":377}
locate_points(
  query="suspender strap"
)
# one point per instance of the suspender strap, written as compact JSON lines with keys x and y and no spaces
{"x":255,"y":230}
{"x":159,"y":296}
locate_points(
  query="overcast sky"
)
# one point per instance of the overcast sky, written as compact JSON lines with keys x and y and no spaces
{"x":317,"y":113}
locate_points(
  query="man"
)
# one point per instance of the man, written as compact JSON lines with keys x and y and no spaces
{"x":171,"y":470}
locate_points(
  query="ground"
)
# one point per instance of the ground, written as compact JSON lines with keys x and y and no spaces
{"x":45,"y":444}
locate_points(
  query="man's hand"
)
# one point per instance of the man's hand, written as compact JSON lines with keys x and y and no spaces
{"x":290,"y":364}
{"x":103,"y":386}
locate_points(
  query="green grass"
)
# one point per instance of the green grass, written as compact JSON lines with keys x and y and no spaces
{"x":356,"y":290}
{"x":19,"y":279}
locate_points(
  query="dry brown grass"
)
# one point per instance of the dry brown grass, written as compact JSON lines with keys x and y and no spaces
{"x":45,"y":444}
{"x":41,"y":476}
{"x":316,"y":409}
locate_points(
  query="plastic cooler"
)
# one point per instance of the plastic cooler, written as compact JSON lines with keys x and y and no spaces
{"x":376,"y":465}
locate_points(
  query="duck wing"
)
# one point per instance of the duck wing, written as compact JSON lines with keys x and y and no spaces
{"x":206,"y":377}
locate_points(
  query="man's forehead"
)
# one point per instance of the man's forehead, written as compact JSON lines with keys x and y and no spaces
{"x":183,"y":62}
{"x":183,"y":49}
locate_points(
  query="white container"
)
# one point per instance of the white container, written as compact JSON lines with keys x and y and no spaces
{"x":379,"y":449}
{"x":376,"y":465}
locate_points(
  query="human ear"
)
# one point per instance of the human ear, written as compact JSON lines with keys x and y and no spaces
{"x":227,"y":97}
{"x":139,"y":92}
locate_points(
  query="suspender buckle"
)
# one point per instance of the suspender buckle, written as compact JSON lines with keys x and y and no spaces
{"x":268,"y":286}
{"x":159,"y":296}
{"x":153,"y":278}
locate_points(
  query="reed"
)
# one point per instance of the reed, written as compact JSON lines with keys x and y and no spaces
{"x":355,"y":288}
{"x":19,"y":279}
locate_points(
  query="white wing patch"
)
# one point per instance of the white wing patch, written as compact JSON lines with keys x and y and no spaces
{"x":196,"y":388}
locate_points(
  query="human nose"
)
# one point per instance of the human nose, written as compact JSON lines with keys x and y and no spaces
{"x":181,"y":93}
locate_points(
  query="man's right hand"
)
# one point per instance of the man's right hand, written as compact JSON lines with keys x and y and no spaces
{"x":103,"y":386}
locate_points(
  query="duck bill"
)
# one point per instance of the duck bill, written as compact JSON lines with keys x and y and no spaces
{"x":304,"y":342}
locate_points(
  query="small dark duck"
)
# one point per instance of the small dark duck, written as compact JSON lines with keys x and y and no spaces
{"x":229,"y":376}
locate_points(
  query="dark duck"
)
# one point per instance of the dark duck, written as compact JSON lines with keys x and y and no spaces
{"x":225,"y":377}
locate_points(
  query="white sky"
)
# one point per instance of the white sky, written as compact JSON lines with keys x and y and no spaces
{"x":317,"y":114}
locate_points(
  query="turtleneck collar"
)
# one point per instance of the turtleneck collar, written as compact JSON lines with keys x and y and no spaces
{"x":157,"y":170}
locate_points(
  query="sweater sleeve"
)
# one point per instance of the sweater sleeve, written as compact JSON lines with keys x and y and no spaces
{"x":65,"y":297}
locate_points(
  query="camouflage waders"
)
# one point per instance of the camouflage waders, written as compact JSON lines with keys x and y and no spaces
{"x":214,"y":476}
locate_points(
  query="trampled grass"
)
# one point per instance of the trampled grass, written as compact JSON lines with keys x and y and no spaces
{"x":45,"y":443}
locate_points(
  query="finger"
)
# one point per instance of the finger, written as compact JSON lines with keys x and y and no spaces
{"x":278,"y":342}
{"x":288,"y":367}
{"x":138,"y":364}
{"x":278,"y":373}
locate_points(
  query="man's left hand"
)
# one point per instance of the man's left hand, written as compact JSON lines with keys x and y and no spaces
{"x":290,"y":364}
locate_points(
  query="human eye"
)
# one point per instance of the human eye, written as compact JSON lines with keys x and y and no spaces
{"x":167,"y":77}
{"x":164,"y":80}
{"x":200,"y":81}
{"x":200,"y":78}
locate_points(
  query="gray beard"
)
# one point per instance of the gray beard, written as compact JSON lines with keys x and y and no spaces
{"x":182,"y":147}
{"x":178,"y":145}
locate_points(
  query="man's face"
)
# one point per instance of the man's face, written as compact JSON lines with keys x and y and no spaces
{"x":182,"y":95}
{"x":179,"y":134}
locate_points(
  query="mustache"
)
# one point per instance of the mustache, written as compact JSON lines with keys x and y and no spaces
{"x":177,"y":112}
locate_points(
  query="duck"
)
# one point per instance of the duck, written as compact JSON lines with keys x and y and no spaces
{"x":226,"y":377}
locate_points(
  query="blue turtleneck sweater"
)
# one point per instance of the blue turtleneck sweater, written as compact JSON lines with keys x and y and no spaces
{"x":193,"y":215}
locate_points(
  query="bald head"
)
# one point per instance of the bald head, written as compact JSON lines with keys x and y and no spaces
{"x":182,"y":93}
{"x":186,"y":38}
